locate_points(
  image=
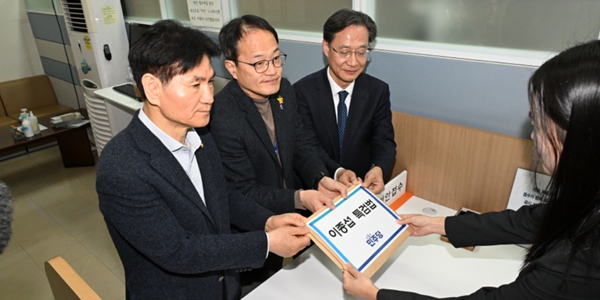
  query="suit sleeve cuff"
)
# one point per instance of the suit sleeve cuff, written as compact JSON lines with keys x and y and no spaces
{"x":297,"y":201}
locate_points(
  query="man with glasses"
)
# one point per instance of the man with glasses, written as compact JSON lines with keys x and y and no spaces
{"x":345,"y":111}
{"x":258,"y":131}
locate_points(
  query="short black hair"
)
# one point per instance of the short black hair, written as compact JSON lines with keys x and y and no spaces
{"x":344,"y":18}
{"x":167,"y":49}
{"x":232,"y":33}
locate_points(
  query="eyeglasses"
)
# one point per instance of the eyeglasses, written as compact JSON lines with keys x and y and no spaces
{"x":262,"y":66}
{"x":360,"y":53}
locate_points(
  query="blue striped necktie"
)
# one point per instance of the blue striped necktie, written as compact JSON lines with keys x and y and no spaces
{"x":342,"y":117}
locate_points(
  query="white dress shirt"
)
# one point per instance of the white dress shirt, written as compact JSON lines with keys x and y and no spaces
{"x":185,"y":154}
{"x":335,"y":89}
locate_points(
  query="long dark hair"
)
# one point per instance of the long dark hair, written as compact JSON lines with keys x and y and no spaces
{"x":564,"y":95}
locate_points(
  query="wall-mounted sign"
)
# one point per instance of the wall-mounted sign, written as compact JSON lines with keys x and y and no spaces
{"x":204,"y":13}
{"x":394,"y":189}
{"x":524,"y":192}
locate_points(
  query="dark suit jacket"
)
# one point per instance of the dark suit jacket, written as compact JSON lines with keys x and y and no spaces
{"x":369,"y":135}
{"x":540,"y":279}
{"x":172,"y":245}
{"x":247,"y":151}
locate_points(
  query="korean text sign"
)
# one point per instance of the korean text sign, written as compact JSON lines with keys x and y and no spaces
{"x":359,"y":230}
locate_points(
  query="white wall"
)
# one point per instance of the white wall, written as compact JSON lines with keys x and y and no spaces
{"x":19,"y":56}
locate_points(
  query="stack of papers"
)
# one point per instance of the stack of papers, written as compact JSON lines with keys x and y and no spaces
{"x":42,"y":127}
{"x":66,"y":117}
{"x":71,"y":124}
{"x":70,"y":120}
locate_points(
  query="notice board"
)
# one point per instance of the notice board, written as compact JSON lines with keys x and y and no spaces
{"x":361,"y":230}
{"x":206,"y":13}
{"x":525,"y":191}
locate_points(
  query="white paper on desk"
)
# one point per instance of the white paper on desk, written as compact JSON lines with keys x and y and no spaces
{"x":42,"y":127}
{"x":359,"y":229}
{"x":78,"y":124}
{"x":524,"y":191}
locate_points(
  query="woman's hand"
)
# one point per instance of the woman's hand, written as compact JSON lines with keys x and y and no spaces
{"x":424,"y":225}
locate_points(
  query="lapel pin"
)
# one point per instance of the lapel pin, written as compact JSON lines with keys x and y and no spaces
{"x":280,"y":100}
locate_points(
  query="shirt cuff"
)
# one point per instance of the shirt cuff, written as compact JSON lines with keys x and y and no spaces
{"x":267,"y":255}
{"x":335,"y":175}
{"x":297,"y":201}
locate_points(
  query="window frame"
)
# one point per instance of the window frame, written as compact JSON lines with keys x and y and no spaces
{"x":515,"y":57}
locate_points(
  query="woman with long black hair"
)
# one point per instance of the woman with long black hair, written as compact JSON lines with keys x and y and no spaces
{"x":564,"y":259}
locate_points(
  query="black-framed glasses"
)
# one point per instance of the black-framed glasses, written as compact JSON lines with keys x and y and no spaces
{"x":262,"y":66}
{"x":361,"y":53}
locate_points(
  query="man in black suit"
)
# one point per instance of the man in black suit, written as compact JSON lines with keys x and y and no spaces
{"x":345,"y":111}
{"x":256,"y":126}
{"x":162,"y":191}
{"x":259,"y":134}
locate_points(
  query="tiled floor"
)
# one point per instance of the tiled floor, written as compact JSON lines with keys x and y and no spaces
{"x":55,"y":213}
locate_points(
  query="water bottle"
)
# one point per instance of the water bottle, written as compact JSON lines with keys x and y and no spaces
{"x":35,"y":126}
{"x":23,"y":114}
{"x":26,"y":128}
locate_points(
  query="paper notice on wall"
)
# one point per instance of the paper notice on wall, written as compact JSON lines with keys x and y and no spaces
{"x":205,"y":13}
{"x":109,"y":14}
{"x":525,"y":192}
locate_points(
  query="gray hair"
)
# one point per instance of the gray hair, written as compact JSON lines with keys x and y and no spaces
{"x":5,"y":215}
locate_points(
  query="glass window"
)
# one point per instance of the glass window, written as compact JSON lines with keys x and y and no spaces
{"x":178,"y":9}
{"x":43,"y":6}
{"x":540,"y":25}
{"x":293,"y":15}
{"x":141,"y":10}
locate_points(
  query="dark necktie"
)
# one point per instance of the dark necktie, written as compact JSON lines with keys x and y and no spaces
{"x":342,"y":116}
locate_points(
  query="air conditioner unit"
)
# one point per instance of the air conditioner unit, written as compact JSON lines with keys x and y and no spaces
{"x":98,"y":39}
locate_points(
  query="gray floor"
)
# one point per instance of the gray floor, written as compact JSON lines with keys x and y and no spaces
{"x":55,"y":213}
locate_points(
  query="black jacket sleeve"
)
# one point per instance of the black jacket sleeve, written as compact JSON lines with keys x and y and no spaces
{"x":540,"y":279}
